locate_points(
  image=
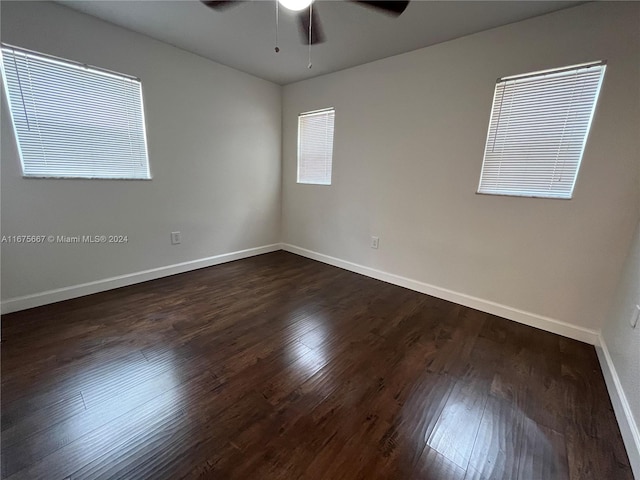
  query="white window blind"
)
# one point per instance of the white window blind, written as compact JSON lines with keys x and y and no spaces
{"x":72,"y":120}
{"x":538,"y":131}
{"x":315,"y":146}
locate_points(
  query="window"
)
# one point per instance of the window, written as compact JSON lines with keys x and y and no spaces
{"x":315,"y":146}
{"x":538,"y":131}
{"x":74,"y":121}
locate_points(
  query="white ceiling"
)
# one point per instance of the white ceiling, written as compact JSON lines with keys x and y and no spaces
{"x":243,"y":36}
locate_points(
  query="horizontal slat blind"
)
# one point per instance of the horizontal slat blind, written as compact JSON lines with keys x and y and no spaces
{"x":75,"y":121}
{"x":538,"y":130}
{"x":315,"y":146}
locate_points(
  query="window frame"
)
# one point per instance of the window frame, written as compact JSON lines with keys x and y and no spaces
{"x":602,"y":65}
{"x":81,"y":67}
{"x":300,"y":117}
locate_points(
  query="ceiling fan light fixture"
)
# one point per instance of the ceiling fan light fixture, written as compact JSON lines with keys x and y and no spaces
{"x":295,"y":5}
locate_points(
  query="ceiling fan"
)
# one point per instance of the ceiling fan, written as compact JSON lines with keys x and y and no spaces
{"x":315,"y":35}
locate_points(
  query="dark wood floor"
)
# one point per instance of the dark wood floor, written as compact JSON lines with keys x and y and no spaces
{"x":279,"y":367}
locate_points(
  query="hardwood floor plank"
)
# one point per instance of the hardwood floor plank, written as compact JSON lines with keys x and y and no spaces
{"x":434,"y":466}
{"x":455,"y":432}
{"x":29,"y":442}
{"x":135,"y":425}
{"x":21,"y":418}
{"x":280,"y":367}
{"x":543,"y":453}
{"x":590,"y":457}
{"x":497,"y":447}
{"x":403,"y":441}
{"x":159,"y":454}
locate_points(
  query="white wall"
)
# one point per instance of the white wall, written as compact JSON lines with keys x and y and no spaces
{"x":214,"y":145}
{"x":409,"y":140}
{"x":623,"y":349}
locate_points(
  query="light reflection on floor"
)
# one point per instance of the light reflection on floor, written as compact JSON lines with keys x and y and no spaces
{"x":455,"y":431}
{"x":494,"y":439}
{"x":137,"y":379}
{"x":308,"y":353}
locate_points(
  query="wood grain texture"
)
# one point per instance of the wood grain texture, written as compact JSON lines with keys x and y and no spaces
{"x":279,"y":367}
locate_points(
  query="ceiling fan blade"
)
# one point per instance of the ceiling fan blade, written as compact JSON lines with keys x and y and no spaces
{"x":394,"y":8}
{"x":220,"y":4}
{"x":317,"y":34}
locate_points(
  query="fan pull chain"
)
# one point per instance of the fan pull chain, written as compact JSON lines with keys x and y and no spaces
{"x":310,"y":23}
{"x":277,"y":24}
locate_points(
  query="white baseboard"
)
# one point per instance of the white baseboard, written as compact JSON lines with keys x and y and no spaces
{"x":538,"y":321}
{"x":628,"y":425}
{"x":74,"y":291}
{"x":527,"y":318}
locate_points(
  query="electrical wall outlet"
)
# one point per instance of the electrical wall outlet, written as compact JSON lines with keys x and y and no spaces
{"x":176,"y":238}
{"x":634,"y":316}
{"x":374,"y":242}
